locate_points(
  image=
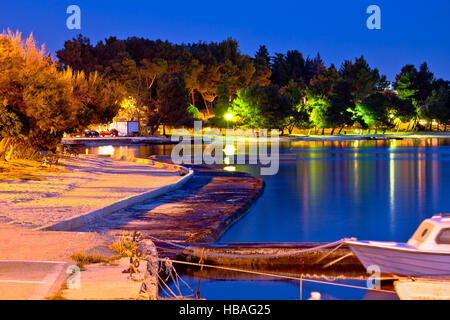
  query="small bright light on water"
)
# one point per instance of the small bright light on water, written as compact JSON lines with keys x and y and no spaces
{"x":229,"y":150}
{"x":226,"y":160}
{"x":106,"y":150}
{"x":230,"y":168}
{"x":229,"y":116}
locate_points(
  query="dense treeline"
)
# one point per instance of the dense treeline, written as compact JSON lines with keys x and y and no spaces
{"x":283,"y":91}
{"x":163,"y":84}
{"x":140,"y":64}
{"x":39,"y":102}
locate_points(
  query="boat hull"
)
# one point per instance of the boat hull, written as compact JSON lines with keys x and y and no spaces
{"x":403,"y":261}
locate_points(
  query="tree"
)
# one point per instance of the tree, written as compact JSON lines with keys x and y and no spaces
{"x":79,"y":54}
{"x":405,"y":84}
{"x":322,"y":83}
{"x":99,"y":98}
{"x":424,"y":83}
{"x":299,"y":114}
{"x":280,"y":72}
{"x":319,"y":106}
{"x":437,"y":107}
{"x":42,"y":102}
{"x":363,"y":79}
{"x":400,"y":110}
{"x":261,"y":107}
{"x":341,"y":105}
{"x":373,"y":111}
{"x":261,"y":62}
{"x":415,"y":86}
{"x":12,"y":122}
{"x":222,"y":104}
{"x":173,"y":101}
{"x":192,"y":74}
{"x":246,"y":109}
{"x":313,"y":68}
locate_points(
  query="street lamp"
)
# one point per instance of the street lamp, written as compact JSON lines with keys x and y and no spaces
{"x":229,"y":116}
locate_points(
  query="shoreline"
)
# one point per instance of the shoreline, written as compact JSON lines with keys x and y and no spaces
{"x":200,"y":211}
{"x":161,"y":140}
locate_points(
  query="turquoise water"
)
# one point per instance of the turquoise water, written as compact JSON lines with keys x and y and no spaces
{"x":374,"y":190}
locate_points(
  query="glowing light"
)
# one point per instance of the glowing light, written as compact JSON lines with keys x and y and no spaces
{"x":229,"y":150}
{"x":226,"y":160}
{"x":106,"y":150}
{"x":230,"y":168}
{"x":229,"y":116}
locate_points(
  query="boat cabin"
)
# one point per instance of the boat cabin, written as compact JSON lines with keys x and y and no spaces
{"x":433,"y":234}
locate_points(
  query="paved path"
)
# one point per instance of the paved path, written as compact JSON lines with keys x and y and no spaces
{"x":79,"y":186}
{"x":33,"y":263}
{"x":29,"y":280}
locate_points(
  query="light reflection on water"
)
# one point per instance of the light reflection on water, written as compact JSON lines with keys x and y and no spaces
{"x":377,"y":190}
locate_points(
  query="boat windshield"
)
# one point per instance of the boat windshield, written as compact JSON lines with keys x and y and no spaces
{"x":444,"y":237}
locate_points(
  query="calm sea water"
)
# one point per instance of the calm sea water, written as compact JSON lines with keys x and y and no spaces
{"x":374,"y":190}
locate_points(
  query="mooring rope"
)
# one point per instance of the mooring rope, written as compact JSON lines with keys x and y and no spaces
{"x":266,"y":274}
{"x":277,"y":276}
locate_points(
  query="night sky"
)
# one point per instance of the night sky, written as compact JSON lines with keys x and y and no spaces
{"x":412,"y":31}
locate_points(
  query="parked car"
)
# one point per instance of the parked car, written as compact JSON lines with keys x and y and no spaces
{"x":91,"y":133}
{"x":112,"y":133}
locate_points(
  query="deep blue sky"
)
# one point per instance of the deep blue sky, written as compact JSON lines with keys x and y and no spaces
{"x":413,"y":31}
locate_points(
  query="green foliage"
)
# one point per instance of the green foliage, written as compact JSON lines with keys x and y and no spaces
{"x":322,"y":83}
{"x":299,"y":116}
{"x":373,"y":111}
{"x":246,"y":109}
{"x":173,"y":101}
{"x":437,"y":106}
{"x":414,"y":85}
{"x":262,"y":67}
{"x":341,"y":104}
{"x":12,"y":122}
{"x":319,"y":106}
{"x":261,"y":107}
{"x":363,"y":79}
{"x":401,"y":109}
{"x":216,"y":72}
{"x":193,"y":111}
{"x":406,"y":84}
{"x":222,"y":104}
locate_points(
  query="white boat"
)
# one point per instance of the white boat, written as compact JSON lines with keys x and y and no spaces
{"x":426,"y":254}
{"x":422,"y":289}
